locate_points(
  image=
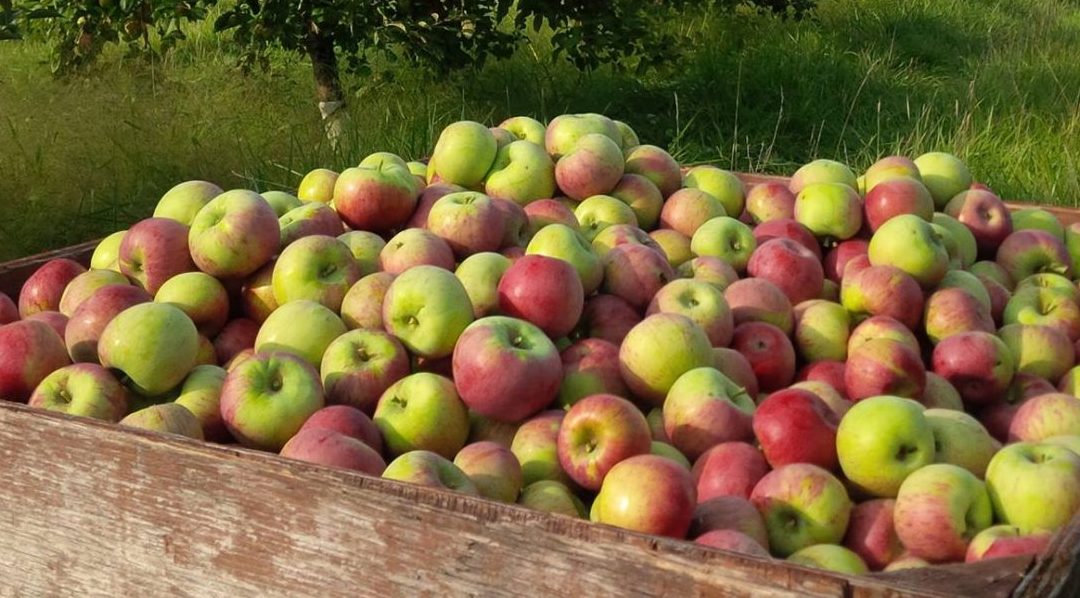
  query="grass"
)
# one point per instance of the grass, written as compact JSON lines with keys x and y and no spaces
{"x":995,"y":82}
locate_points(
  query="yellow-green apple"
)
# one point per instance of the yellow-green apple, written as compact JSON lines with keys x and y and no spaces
{"x":1044,"y":306}
{"x":759,"y":300}
{"x":169,"y":418}
{"x":802,"y":505}
{"x":728,"y":469}
{"x":359,"y":366}
{"x":200,"y":393}
{"x":733,"y":513}
{"x":910,"y":243}
{"x":1070,"y":382}
{"x":415,"y":247}
{"x":701,"y":302}
{"x":506,"y":369}
{"x":655,"y":417}
{"x":822,"y":171}
{"x":365,"y":247}
{"x":431,"y":194}
{"x":939,"y":509}
{"x":712,"y":270}
{"x":985,"y":215}
{"x":788,"y":228}
{"x":890,"y":167}
{"x":316,"y":268}
{"x":1038,"y":219}
{"x":535,"y":444}
{"x":75,"y":293}
{"x":303,"y":328}
{"x":969,"y":282}
{"x":427,"y":308}
{"x":238,"y":334}
{"x":731,"y":540}
{"x":687,"y":209}
{"x":621,"y":234}
{"x":660,"y":349}
{"x":84,"y":389}
{"x":232,"y":236}
{"x":705,"y":408}
{"x":769,"y":351}
{"x":362,"y":305}
{"x":648,"y":494}
{"x":564,"y":131}
{"x":962,"y":235}
{"x":281,"y":202}
{"x":821,"y":330}
{"x":894,"y":197}
{"x":257,"y":293}
{"x":182,"y":202}
{"x":89,"y":320}
{"x":1071,"y":237}
{"x":629,"y":137}
{"x":999,"y":541}
{"x":1069,"y":441}
{"x":832,"y":211}
{"x":493,"y":469}
{"x":563,"y":242}
{"x":347,"y":420}
{"x":422,"y":411}
{"x":543,"y":212}
{"x":590,"y":366}
{"x":267,"y":398}
{"x":598,"y":432}
{"x":544,"y":291}
{"x":1048,"y":280}
{"x":525,"y":128}
{"x":674,"y":245}
{"x":480,"y":274}
{"x":881,"y":440}
{"x":201,"y":296}
{"x":312,"y":218}
{"x":1039,"y":350}
{"x":154,"y":345}
{"x":469,"y":222}
{"x":426,"y":468}
{"x":734,"y":365}
{"x":550,"y":496}
{"x":795,"y":426}
{"x":770,"y":201}
{"x":664,"y":449}
{"x":592,"y":166}
{"x":959,"y":439}
{"x":463,"y":154}
{"x":44,"y":289}
{"x":635,"y":273}
{"x":1034,"y":486}
{"x":940,"y":394}
{"x":944,"y":175}
{"x":655,"y":164}
{"x":725,"y":238}
{"x":606,"y":317}
{"x":721,"y":184}
{"x":793,"y":268}
{"x":598,"y":212}
{"x":642,"y":196}
{"x":871,"y":533}
{"x":522,"y":172}
{"x":206,"y":354}
{"x":1045,"y":416}
{"x":828,"y":372}
{"x":830,"y":557}
{"x":1031,"y":251}
{"x":317,"y":185}
{"x":954,"y":310}
{"x":836,"y":260}
{"x":106,"y":255}
{"x":330,"y":448}
{"x":951,"y":246}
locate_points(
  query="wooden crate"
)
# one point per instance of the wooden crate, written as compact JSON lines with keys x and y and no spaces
{"x":90,"y":508}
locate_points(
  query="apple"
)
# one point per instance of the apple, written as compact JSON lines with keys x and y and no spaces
{"x":427,"y":308}
{"x":232,"y":236}
{"x":480,"y":274}
{"x":281,"y":202}
{"x":75,"y":293}
{"x":705,"y":408}
{"x":238,"y":334}
{"x":660,"y":349}
{"x":769,"y":351}
{"x":909,"y":243}
{"x":522,"y":172}
{"x":721,"y":184}
{"x":347,"y":420}
{"x":463,"y":154}
{"x":985,"y":215}
{"x":84,"y":389}
{"x":827,"y":372}
{"x":871,"y":533}
{"x":303,"y":328}
{"x":564,"y":131}
{"x":154,"y":344}
{"x":1031,"y":251}
{"x":712,"y":270}
{"x":830,"y":557}
{"x":362,"y":305}
{"x":1071,"y":237}
{"x":183,"y":201}
{"x":822,"y":171}
{"x":962,"y":235}
{"x":1045,"y":416}
{"x":734,"y":365}
{"x":687,"y":209}
{"x":56,"y":320}
{"x":422,"y":411}
{"x":733,"y":513}
{"x":359,"y":366}
{"x":795,"y":426}
{"x":535,"y":444}
{"x":648,"y":494}
{"x":493,"y":469}
{"x":317,"y":186}
{"x":725,"y":238}
{"x":793,"y":268}
{"x":837,"y":259}
{"x":598,"y":212}
{"x":365,"y":248}
{"x":592,"y":166}
{"x":897,"y":196}
{"x":728,"y":469}
{"x":598,"y":432}
{"x":563,"y":242}
{"x":590,"y":366}
{"x":954,"y":310}
{"x":787,"y":228}
{"x":425,"y":468}
{"x":201,"y":296}
{"x":525,"y":128}
{"x":881,"y":440}
{"x":89,"y":320}
{"x":312,"y":218}
{"x":415,"y":247}
{"x":543,"y":212}
{"x":330,"y":448}
{"x":1050,"y":280}
{"x":888,"y":168}
{"x":622,"y":234}
{"x":655,"y":164}
{"x":106,"y":255}
{"x":468,"y":221}
{"x":731,"y":540}
{"x":939,"y":509}
{"x":544,"y":291}
{"x":883,"y":366}
{"x":833,"y":399}
{"x":961,"y":440}
{"x":635,"y":273}
{"x":169,"y":418}
{"x":266,"y":399}
{"x":607,"y":317}
{"x":674,"y":245}
{"x":629,"y":138}
{"x":550,"y":496}
{"x":796,"y":516}
{"x":1039,"y":350}
{"x":759,"y":300}
{"x":904,"y":562}
{"x":514,"y":223}
{"x":999,"y":541}
{"x":317,"y":268}
{"x":1034,"y":486}
{"x":944,"y":175}
{"x":940,"y":394}
{"x":1044,"y":306}
{"x":9,"y":312}
{"x":642,"y":196}
{"x":257,"y":294}
{"x":431,"y":194}
{"x":822,"y":329}
{"x":44,"y":289}
{"x":200,"y":393}
{"x":832,"y":211}
{"x":770,"y":201}
{"x":701,"y":302}
{"x":1037,"y":219}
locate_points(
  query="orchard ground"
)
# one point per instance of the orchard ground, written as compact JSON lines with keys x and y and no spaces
{"x":997,"y":83}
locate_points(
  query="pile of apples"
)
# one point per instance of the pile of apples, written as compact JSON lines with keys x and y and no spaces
{"x":852,"y":373}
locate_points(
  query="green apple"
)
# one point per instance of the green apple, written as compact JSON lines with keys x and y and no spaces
{"x":821,"y":330}
{"x":642,"y":196}
{"x":304,"y":328}
{"x":939,"y":509}
{"x":910,"y":243}
{"x":84,"y":389}
{"x":522,"y":172}
{"x":944,"y":175}
{"x":721,"y":184}
{"x":601,"y":211}
{"x":832,"y":211}
{"x":675,"y":245}
{"x":564,"y":243}
{"x":154,"y":345}
{"x":802,"y":505}
{"x":700,"y":301}
{"x":564,"y":131}
{"x":1072,"y":244}
{"x":201,"y":296}
{"x":360,"y":365}
{"x":1039,"y":350}
{"x":493,"y":468}
{"x":200,"y":393}
{"x":660,"y":349}
{"x":961,"y":440}
{"x":317,"y":268}
{"x":426,"y":468}
{"x":962,"y":279}
{"x":961,"y":234}
{"x":463,"y":154}
{"x":725,"y":238}
{"x":422,"y":412}
{"x":535,"y":445}
{"x":1037,"y":218}
{"x":379,"y":159}
{"x":526,"y":128}
{"x":107,"y":252}
{"x":550,"y":496}
{"x":823,"y":171}
{"x":1034,"y":486}
{"x":890,"y":167}
{"x":881,"y":440}
{"x":365,"y":247}
{"x":480,"y":274}
{"x":169,"y":418}
{"x":427,"y":308}
{"x":281,"y":201}
{"x":830,"y":557}
{"x":183,"y":201}
{"x":317,"y":185}
{"x":664,"y":449}
{"x":234,"y":235}
{"x":1069,"y":441}
{"x":629,"y":137}
{"x":267,"y":398}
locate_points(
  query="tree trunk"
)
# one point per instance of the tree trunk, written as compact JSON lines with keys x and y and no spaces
{"x":324,"y":65}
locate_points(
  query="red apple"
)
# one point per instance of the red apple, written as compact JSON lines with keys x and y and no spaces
{"x":829,"y":372}
{"x":89,"y":320}
{"x":590,"y":366}
{"x":884,"y":367}
{"x":729,"y":513}
{"x":897,"y":196}
{"x":734,"y":365}
{"x":883,"y":291}
{"x":330,"y":448}
{"x":649,"y":494}
{"x":377,"y":199}
{"x":770,"y":201}
{"x":349,"y":421}
{"x":788,"y":228}
{"x":687,"y":209}
{"x":728,"y":469}
{"x":769,"y":351}
{"x":153,"y":251}
{"x":789,"y":265}
{"x":978,"y":364}
{"x":44,"y":289}
{"x":795,"y":426}
{"x":32,"y":351}
{"x":597,"y":433}
{"x":838,"y":257}
{"x":635,"y":273}
{"x":871,"y":534}
{"x":607,"y":317}
{"x":985,"y":214}
{"x":759,"y":300}
{"x":544,"y":291}
{"x":237,"y":335}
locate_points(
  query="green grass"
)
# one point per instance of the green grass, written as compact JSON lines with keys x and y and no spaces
{"x":996,"y":82}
